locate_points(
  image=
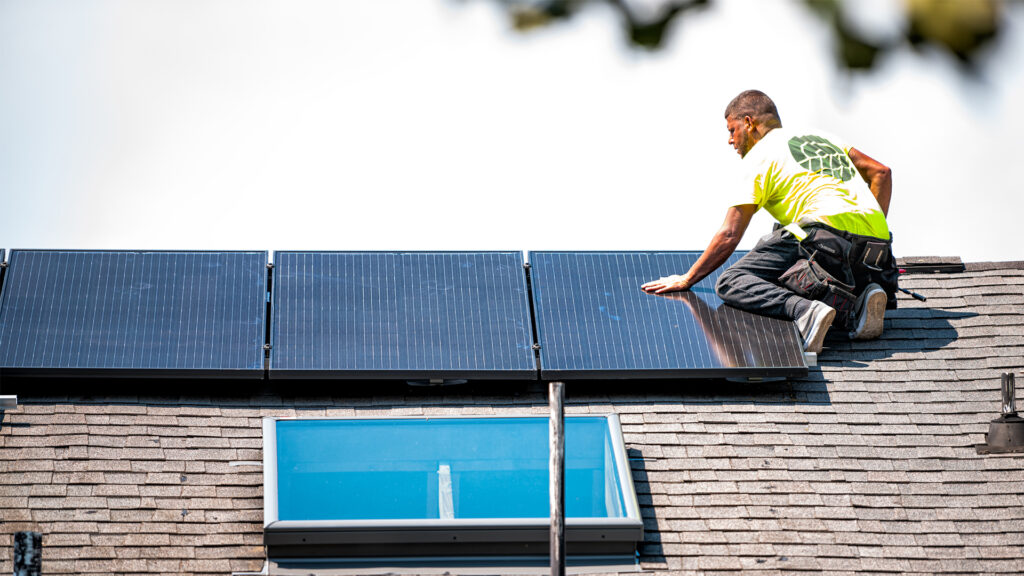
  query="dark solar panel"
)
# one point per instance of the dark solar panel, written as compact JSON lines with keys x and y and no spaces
{"x":593,"y":321}
{"x":128,"y":313}
{"x":402,"y":315}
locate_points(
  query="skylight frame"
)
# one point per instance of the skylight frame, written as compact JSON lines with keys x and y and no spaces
{"x":456,"y":537}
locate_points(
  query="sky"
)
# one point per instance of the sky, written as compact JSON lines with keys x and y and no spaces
{"x":432,"y":125}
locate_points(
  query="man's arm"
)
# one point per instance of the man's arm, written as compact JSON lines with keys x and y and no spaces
{"x":877,"y":175}
{"x":722,"y":245}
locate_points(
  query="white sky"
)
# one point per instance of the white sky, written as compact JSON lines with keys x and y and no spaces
{"x":429,"y":124}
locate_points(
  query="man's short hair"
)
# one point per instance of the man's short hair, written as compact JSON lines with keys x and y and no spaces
{"x":755,"y":104}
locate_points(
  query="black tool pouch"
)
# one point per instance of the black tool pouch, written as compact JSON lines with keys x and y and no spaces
{"x":830,"y":251}
{"x":873,"y":262}
{"x":809,"y":279}
{"x":854,"y":260}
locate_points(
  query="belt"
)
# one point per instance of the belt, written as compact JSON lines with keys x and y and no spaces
{"x":868,"y":251}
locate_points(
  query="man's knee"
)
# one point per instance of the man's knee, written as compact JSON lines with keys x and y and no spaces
{"x":725,"y":284}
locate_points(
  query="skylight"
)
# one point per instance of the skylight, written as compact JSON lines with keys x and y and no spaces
{"x":442,"y":487}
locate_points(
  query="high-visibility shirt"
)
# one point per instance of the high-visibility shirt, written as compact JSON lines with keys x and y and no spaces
{"x":808,"y":176}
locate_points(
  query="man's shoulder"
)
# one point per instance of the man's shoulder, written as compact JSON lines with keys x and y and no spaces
{"x":782,"y":145}
{"x":795,"y":138}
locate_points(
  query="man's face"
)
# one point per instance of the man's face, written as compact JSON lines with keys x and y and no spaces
{"x":739,"y":136}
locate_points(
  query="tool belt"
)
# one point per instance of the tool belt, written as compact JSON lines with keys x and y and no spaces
{"x":809,"y":279}
{"x":838,"y":265}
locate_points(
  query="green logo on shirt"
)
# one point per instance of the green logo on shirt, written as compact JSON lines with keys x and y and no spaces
{"x":817,"y":154}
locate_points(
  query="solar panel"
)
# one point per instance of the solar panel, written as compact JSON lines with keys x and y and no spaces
{"x":401,"y":315}
{"x":92,"y":313}
{"x":594,"y":321}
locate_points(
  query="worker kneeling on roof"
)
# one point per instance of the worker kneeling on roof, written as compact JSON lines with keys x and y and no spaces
{"x":830,"y":258}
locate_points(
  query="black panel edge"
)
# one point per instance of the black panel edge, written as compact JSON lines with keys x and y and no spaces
{"x":538,"y":336}
{"x":131,"y":251}
{"x":268,"y":316}
{"x":279,"y":374}
{"x":21,"y":372}
{"x":271,"y":310}
{"x":682,"y":374}
{"x":532,"y":313}
{"x":3,"y":274}
{"x":276,"y":252}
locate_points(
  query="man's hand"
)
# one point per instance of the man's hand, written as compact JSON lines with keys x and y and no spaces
{"x":673,"y":283}
{"x":737,"y":218}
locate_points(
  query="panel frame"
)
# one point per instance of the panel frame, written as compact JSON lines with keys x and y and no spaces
{"x":3,"y":273}
{"x":753,"y":373}
{"x":444,"y":537}
{"x":133,"y":372}
{"x":428,"y":376}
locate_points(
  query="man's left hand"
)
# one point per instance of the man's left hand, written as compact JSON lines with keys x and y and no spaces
{"x":673,"y":283}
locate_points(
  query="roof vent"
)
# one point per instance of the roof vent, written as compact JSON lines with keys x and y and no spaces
{"x":1006,"y":433}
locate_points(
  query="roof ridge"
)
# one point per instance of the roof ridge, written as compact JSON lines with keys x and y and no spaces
{"x":926,"y":264}
{"x":930,"y":264}
{"x":997,"y":265}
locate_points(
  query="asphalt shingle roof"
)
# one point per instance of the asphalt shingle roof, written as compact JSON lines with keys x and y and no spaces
{"x":867,"y":466}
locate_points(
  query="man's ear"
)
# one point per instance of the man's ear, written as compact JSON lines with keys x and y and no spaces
{"x":749,"y":124}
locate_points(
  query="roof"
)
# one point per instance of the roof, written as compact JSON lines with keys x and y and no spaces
{"x":866,"y":466}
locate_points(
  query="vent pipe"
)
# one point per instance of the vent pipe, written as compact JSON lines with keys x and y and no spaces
{"x":1006,"y":433}
{"x":1009,"y":395}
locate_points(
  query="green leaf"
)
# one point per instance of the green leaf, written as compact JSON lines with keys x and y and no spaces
{"x":817,"y":154}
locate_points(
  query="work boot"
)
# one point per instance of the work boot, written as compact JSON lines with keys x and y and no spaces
{"x":813,"y":325}
{"x":869,"y":313}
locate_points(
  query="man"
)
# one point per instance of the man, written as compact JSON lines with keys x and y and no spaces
{"x":833,"y":242}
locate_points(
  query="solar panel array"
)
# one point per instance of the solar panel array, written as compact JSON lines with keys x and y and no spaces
{"x":594,"y":321}
{"x":394,"y":315}
{"x":447,"y":315}
{"x":120,"y":312}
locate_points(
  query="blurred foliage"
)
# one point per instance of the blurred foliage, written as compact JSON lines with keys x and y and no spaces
{"x":960,"y":27}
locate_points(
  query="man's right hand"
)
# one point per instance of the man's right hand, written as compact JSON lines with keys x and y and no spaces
{"x":673,"y":283}
{"x":722,"y":245}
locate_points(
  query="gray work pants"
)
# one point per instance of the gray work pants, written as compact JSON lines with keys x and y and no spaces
{"x":751,"y":284}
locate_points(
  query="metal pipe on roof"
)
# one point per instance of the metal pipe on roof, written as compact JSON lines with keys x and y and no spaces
{"x":556,"y":397}
{"x":1006,"y":433}
{"x":1009,"y":395}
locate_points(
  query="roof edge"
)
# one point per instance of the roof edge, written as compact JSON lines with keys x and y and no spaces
{"x":952,"y":264}
{"x":930,"y":264}
{"x":1004,"y":265}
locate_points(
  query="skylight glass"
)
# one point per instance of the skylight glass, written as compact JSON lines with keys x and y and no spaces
{"x":358,"y":479}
